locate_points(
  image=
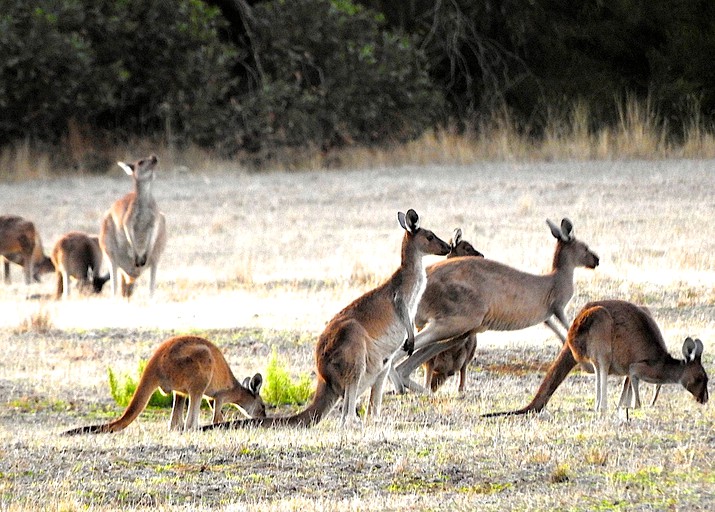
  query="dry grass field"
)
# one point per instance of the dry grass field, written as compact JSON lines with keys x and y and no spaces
{"x":258,"y":262}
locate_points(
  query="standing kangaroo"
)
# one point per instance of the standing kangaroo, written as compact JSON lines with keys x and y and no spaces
{"x":456,"y":359}
{"x":620,"y":338}
{"x":191,"y":367}
{"x":20,"y":243}
{"x":466,"y":296}
{"x":78,"y":255}
{"x":355,"y":350}
{"x":133,"y":233}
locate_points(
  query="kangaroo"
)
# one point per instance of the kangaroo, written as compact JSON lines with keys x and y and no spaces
{"x":621,"y":338}
{"x":191,"y":367}
{"x":20,"y":243}
{"x":355,"y":350}
{"x":78,"y":255}
{"x":133,"y":232}
{"x":456,"y":359}
{"x":465,"y":296}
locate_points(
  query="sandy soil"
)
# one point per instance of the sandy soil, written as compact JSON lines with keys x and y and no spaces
{"x":258,"y":262}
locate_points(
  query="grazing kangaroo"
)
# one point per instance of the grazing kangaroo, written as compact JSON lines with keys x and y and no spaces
{"x":456,"y":359}
{"x":466,"y":296}
{"x":78,"y":255}
{"x":20,"y":243}
{"x":133,"y":233}
{"x":191,"y":367}
{"x":620,"y":338}
{"x":355,"y":350}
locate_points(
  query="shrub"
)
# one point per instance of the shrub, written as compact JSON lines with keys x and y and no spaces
{"x":123,"y":388}
{"x":329,"y":74}
{"x":280,"y":389}
{"x":129,"y":68}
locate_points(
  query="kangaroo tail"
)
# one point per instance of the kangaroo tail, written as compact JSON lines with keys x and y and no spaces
{"x":146,"y":387}
{"x":560,"y":368}
{"x":323,"y":401}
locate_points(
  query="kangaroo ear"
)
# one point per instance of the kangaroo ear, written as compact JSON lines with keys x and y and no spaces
{"x":456,"y":238}
{"x":401,"y":219}
{"x":413,"y":220}
{"x":128,"y":168}
{"x":256,"y":383}
{"x":567,"y":229}
{"x":689,"y":349}
{"x":410,"y":222}
{"x":698,"y":348}
{"x":555,"y":230}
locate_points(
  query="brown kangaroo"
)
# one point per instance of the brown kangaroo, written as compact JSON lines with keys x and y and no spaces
{"x":20,"y":243}
{"x":191,"y":367}
{"x":621,"y":338}
{"x":133,"y":232}
{"x":78,"y":255}
{"x":473,"y":295}
{"x":355,"y":350}
{"x":444,"y":365}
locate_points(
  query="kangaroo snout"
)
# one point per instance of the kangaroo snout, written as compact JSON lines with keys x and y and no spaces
{"x":140,"y":261}
{"x":596,"y":261}
{"x":443,"y":248}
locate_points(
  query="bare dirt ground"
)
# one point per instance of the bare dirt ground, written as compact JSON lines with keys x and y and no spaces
{"x":261,"y":262}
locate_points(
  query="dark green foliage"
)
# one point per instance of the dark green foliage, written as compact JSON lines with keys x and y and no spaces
{"x":542,"y":56}
{"x":45,"y":62}
{"x":240,"y":75}
{"x":328,"y":74}
{"x":130,"y":67}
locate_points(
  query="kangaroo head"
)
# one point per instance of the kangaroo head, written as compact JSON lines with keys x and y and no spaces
{"x":569,"y":249}
{"x":694,"y":378}
{"x":459,"y":247}
{"x":141,"y":170}
{"x":44,"y":266}
{"x":98,"y":282}
{"x":426,"y":241}
{"x":253,"y":405}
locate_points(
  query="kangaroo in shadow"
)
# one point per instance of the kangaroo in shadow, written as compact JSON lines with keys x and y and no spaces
{"x":456,"y":359}
{"x":466,"y":296}
{"x":191,"y":367}
{"x":20,"y":243}
{"x":78,"y":255}
{"x":133,"y":231}
{"x":354,"y":352}
{"x":621,"y":338}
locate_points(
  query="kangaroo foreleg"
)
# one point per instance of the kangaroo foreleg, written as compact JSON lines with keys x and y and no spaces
{"x":403,"y":313}
{"x":552,"y":325}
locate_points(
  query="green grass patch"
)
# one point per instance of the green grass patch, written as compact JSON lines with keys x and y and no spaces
{"x":37,"y":404}
{"x":123,"y":388}
{"x":280,"y":389}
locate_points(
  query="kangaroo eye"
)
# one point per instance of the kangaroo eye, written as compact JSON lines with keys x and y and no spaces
{"x":430,"y":237}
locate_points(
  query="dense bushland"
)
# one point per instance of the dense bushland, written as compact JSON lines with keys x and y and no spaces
{"x":259,"y":77}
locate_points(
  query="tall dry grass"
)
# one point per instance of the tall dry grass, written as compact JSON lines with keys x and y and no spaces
{"x":639,"y":133}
